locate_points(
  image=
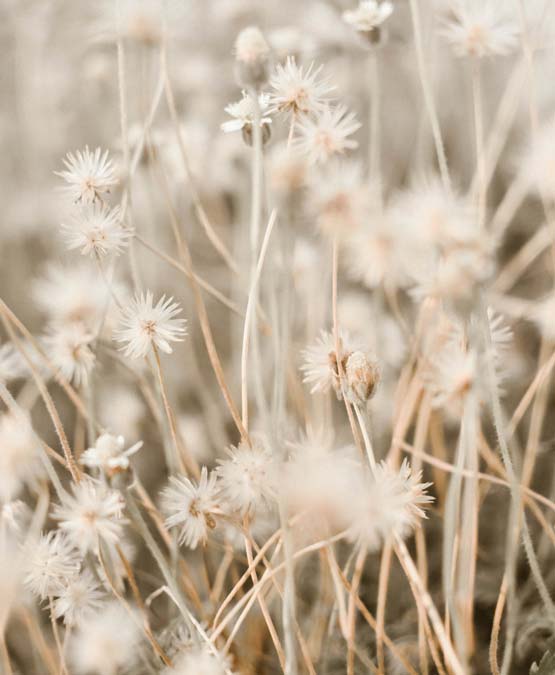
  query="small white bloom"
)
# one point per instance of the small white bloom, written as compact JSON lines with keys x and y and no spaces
{"x":97,"y":229}
{"x":106,"y":641}
{"x":89,"y":175}
{"x":93,"y":512}
{"x":191,"y":507}
{"x":51,"y":563}
{"x":144,"y":325}
{"x":320,"y":361}
{"x":247,"y":478}
{"x":69,"y":348}
{"x":198,"y":661}
{"x":481,"y":28}
{"x":19,"y":455}
{"x":109,"y":454}
{"x":369,"y":15}
{"x":391,"y":504}
{"x":298,"y":91}
{"x":243,"y":113}
{"x":328,"y":134}
{"x":80,"y":597}
{"x":11,"y":363}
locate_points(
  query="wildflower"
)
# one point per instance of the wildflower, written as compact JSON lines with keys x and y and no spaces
{"x":80,"y":597}
{"x":98,"y":230}
{"x":108,"y":454}
{"x":247,"y":478}
{"x":368,"y":17}
{"x":391,"y":505}
{"x":11,"y":363}
{"x":191,"y":507}
{"x":89,"y":175}
{"x":69,"y":349}
{"x":288,"y":169}
{"x":297,"y":91}
{"x":480,"y":28}
{"x":339,"y":198}
{"x":328,"y":134}
{"x":50,"y":564}
{"x":13,"y":516}
{"x":92,"y":513}
{"x":359,"y":369}
{"x":106,"y":641}
{"x":145,"y":325}
{"x":252,"y":56}
{"x":76,"y":294}
{"x":19,"y":455}
{"x":244,"y":113}
{"x":198,"y":661}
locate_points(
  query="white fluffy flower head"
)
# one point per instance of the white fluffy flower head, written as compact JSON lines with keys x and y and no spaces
{"x":93,"y":512}
{"x":298,"y":91}
{"x":328,"y":134}
{"x":88,"y":175}
{"x":191,"y":507}
{"x":369,"y":15}
{"x":79,"y":598}
{"x":243,"y":113}
{"x":109,"y":454}
{"x":51,"y":564}
{"x":145,"y":325}
{"x":69,"y":348}
{"x":96,"y":230}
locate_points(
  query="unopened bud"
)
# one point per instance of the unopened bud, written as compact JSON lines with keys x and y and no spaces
{"x":252,"y":58}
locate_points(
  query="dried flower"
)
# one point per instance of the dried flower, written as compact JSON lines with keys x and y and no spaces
{"x":69,"y":349}
{"x":52,"y":562}
{"x":328,"y":134}
{"x":368,"y":18}
{"x":109,"y":455}
{"x":96,"y":229}
{"x":89,"y":175}
{"x":252,"y":56}
{"x":80,"y":597}
{"x":296,"y":91}
{"x":145,"y":325}
{"x":191,"y":507}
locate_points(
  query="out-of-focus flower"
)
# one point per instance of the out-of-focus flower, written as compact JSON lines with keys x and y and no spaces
{"x":252,"y":56}
{"x":537,"y":162}
{"x":243,"y":113}
{"x":96,"y":229}
{"x":106,"y":641}
{"x":19,"y":455}
{"x":109,"y":454}
{"x":191,"y":507}
{"x":80,"y":597}
{"x":144,"y":325}
{"x":368,"y":16}
{"x":480,"y":28}
{"x":121,"y":408}
{"x":391,"y":505}
{"x":298,"y":91}
{"x":198,"y":661}
{"x":11,"y":363}
{"x":92,"y":513}
{"x":247,"y":478}
{"x":69,"y":348}
{"x":51,"y":563}
{"x":328,"y":134}
{"x":339,"y":198}
{"x":89,"y":175}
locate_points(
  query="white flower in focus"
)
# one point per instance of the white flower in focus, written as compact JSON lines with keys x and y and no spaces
{"x":243,"y":113}
{"x":68,"y":347}
{"x":328,"y":134}
{"x":93,"y":512}
{"x":297,"y":91}
{"x":145,"y":325}
{"x":247,"y":478}
{"x":80,"y":597}
{"x":96,"y":229}
{"x":109,"y":454}
{"x":391,"y":505}
{"x":106,"y":642}
{"x":19,"y":456}
{"x":50,"y":564}
{"x":369,"y":15}
{"x":89,"y":175}
{"x":197,"y":661}
{"x":480,"y":28}
{"x":362,"y":376}
{"x":191,"y":507}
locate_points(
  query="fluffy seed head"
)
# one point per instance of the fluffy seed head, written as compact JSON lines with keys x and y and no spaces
{"x":89,"y":175}
{"x":51,"y":564}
